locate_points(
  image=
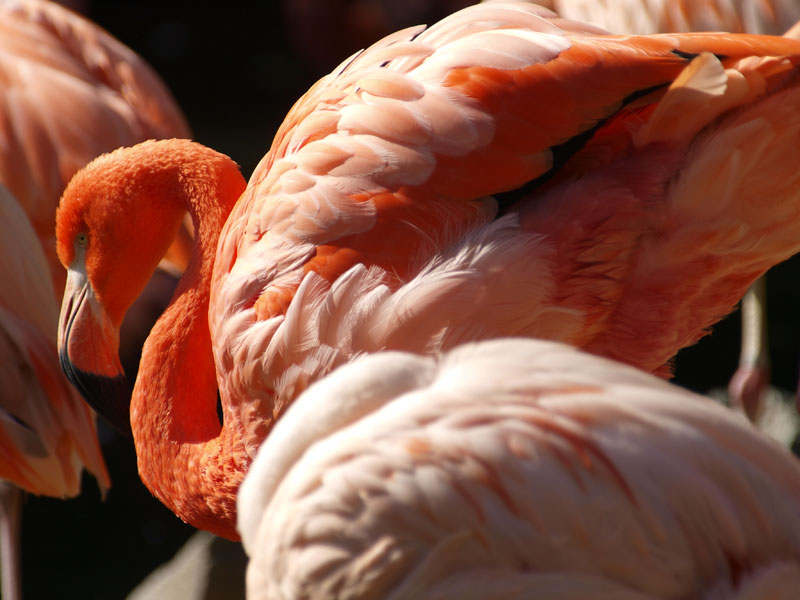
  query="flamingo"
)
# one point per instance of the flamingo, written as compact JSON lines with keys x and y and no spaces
{"x":516,"y":468}
{"x":502,"y":173}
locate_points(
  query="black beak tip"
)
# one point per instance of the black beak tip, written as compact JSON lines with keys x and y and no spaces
{"x":110,"y":397}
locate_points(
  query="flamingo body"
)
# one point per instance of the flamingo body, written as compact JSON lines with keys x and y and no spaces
{"x":386,"y":164}
{"x":747,"y":387}
{"x":69,"y":92}
{"x":502,"y":173}
{"x":516,"y":469}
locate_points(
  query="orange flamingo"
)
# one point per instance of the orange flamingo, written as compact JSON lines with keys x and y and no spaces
{"x":516,"y":468}
{"x":370,"y":225}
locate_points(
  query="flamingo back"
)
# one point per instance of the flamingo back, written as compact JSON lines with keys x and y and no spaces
{"x":505,"y":172}
{"x":513,"y":468}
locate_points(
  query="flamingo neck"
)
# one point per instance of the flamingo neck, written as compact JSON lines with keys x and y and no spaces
{"x":187,"y":459}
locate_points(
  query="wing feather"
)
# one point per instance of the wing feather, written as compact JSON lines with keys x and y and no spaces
{"x":549,"y":129}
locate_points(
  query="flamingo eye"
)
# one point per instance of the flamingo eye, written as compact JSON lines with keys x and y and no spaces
{"x":81,"y":240}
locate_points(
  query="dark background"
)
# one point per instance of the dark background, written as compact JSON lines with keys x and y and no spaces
{"x":236,"y":68}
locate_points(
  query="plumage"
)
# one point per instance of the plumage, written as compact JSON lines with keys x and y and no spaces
{"x":69,"y":91}
{"x":607,"y":235}
{"x":549,"y":197}
{"x":662,"y":16}
{"x":748,"y":385}
{"x":47,"y":433}
{"x":514,"y":469}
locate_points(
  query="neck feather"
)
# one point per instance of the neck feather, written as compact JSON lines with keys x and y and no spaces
{"x":186,"y":458}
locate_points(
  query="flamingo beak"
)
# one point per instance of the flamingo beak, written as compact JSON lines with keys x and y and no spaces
{"x":88,"y":348}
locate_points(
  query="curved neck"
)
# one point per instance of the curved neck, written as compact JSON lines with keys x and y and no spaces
{"x":185,"y":456}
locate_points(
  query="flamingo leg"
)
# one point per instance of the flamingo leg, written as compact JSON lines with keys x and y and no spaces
{"x":747,"y":386}
{"x":10,"y":519}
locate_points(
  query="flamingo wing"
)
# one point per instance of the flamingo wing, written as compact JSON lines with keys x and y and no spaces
{"x":746,"y":389}
{"x":513,"y":468}
{"x":614,"y":225}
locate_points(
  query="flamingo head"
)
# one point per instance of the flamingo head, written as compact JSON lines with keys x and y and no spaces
{"x":114,"y":223}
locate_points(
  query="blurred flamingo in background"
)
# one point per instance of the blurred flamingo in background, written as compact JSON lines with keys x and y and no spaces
{"x":47,"y":433}
{"x":69,"y":93}
{"x":642,"y":17}
{"x":516,"y":469}
{"x":370,"y":225}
